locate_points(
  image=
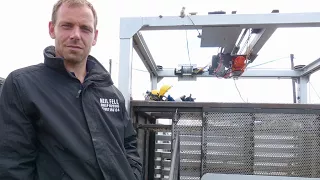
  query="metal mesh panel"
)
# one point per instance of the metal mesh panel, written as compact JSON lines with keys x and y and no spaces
{"x":249,"y":143}
{"x":229,"y":143}
{"x":268,"y":144}
{"x":190,"y":127}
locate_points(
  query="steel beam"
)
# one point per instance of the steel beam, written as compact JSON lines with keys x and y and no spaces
{"x":311,"y":68}
{"x":125,"y":67}
{"x":250,"y":73}
{"x":259,"y":41}
{"x":154,"y":82}
{"x":142,"y":50}
{"x":270,"y":20}
{"x":158,"y":106}
{"x":303,"y":89}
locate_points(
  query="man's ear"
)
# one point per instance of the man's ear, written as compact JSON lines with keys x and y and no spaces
{"x":95,"y":38}
{"x":51,"y":30}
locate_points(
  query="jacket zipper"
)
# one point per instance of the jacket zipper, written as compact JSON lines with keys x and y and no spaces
{"x":79,"y":91}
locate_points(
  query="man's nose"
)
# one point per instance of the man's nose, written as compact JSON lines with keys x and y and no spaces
{"x":75,"y":34}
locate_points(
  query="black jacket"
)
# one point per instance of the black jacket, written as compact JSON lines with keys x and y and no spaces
{"x":52,"y":127}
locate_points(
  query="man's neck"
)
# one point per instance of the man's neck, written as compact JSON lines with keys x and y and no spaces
{"x":78,"y":69}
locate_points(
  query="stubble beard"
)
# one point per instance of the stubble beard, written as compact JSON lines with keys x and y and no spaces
{"x":73,"y":58}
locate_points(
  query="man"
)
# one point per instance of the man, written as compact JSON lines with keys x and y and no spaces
{"x":64,"y":118}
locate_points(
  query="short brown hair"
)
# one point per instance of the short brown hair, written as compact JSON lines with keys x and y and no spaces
{"x":73,"y":3}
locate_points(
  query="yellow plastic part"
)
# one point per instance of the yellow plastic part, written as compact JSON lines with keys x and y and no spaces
{"x":164,"y":89}
{"x":155,"y":92}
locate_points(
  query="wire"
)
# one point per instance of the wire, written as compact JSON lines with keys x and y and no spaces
{"x":194,"y":25}
{"x":238,"y":90}
{"x":139,"y":70}
{"x":309,"y":93}
{"x":267,"y":62}
{"x":314,"y":89}
{"x":188,"y":47}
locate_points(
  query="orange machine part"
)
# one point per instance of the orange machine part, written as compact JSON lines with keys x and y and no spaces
{"x":239,"y":63}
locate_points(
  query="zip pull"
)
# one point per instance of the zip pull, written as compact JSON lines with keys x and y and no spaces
{"x":78,"y":94}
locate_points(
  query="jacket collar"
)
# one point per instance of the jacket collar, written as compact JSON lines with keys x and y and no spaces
{"x":95,"y":70}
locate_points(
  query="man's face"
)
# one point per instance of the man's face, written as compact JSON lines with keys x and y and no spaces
{"x":74,"y":33}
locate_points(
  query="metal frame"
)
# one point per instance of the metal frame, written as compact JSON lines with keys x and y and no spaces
{"x":168,"y":109}
{"x":130,"y":37}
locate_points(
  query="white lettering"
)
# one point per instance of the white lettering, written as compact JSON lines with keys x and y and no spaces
{"x":110,"y":105}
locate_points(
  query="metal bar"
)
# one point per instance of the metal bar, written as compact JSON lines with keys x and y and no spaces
{"x":138,"y":105}
{"x":250,"y":143}
{"x":125,"y":64}
{"x":178,"y":151}
{"x":293,"y":80}
{"x":303,"y":89}
{"x":249,"y":73}
{"x":146,"y":155}
{"x":151,"y":157}
{"x":141,"y":141}
{"x":150,"y":118}
{"x":259,"y":41}
{"x":166,"y":109}
{"x":161,"y":166}
{"x":110,"y":66}
{"x":235,"y":109}
{"x":273,"y":20}
{"x":154,"y":126}
{"x":265,"y":110}
{"x":173,"y":124}
{"x":154,"y":82}
{"x":174,"y":157}
{"x":162,"y":115}
{"x":311,"y":68}
{"x":142,"y":50}
{"x":204,"y":143}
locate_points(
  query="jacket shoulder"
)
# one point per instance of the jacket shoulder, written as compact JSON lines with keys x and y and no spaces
{"x":27,"y":71}
{"x":118,"y":92}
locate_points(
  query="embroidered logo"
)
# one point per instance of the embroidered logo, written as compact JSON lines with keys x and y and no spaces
{"x":110,"y":105}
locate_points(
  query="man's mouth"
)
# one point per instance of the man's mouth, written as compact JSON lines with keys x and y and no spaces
{"x":74,"y":47}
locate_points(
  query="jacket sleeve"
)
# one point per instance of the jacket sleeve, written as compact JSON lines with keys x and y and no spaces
{"x":130,"y":144}
{"x":17,"y":136}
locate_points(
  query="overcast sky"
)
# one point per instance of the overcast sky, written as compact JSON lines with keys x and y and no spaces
{"x":25,"y":34}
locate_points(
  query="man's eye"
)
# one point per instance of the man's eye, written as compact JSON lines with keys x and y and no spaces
{"x":66,"y":25}
{"x":86,"y":29}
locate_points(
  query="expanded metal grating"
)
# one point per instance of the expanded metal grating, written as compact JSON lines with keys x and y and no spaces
{"x":247,"y":143}
{"x":242,"y":138}
{"x":243,"y":143}
{"x":189,"y":125}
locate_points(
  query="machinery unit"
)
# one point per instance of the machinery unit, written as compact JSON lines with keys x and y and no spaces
{"x":259,"y":141}
{"x":239,"y":37}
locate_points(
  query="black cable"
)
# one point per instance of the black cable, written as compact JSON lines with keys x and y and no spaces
{"x":238,"y":90}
